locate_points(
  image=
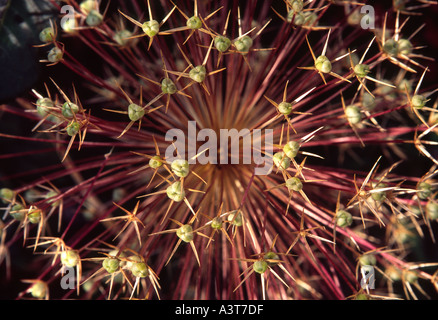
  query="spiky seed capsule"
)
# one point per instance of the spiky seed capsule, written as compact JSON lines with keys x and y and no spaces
{"x":291,"y":149}
{"x":194,"y":23}
{"x":391,"y":47}
{"x":418,"y":101}
{"x":111,"y":265}
{"x":73,"y":128}
{"x":140,"y":269}
{"x":362,"y":296}
{"x":271,"y":256}
{"x":135,"y":112}
{"x":243,"y":44}
{"x":323,"y":64}
{"x":294,"y":184}
{"x":353,"y":114}
{"x":43,"y":105}
{"x":38,"y":290}
{"x":180,"y":167}
{"x":121,"y":37}
{"x":47,"y":34}
{"x":94,"y":18}
{"x":367,"y":260}
{"x":285,"y":108}
{"x":216,"y":223}
{"x":198,"y":73}
{"x":185,"y":233}
{"x":17,"y":213}
{"x":281,"y":161}
{"x":303,"y":18}
{"x":168,"y":87}
{"x":175,"y":192}
{"x":361,"y":70}
{"x":6,"y":195}
{"x":34,"y":216}
{"x":68,"y":109}
{"x":424,"y":190}
{"x":432,"y":210}
{"x":404,"y":46}
{"x":260,"y":266}
{"x":235,"y":217}
{"x":55,"y":55}
{"x":155,"y":162}
{"x":222,"y":43}
{"x":151,"y":28}
{"x":343,"y":219}
{"x":70,"y":258}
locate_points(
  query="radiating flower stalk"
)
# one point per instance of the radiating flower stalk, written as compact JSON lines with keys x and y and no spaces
{"x":351,"y":109}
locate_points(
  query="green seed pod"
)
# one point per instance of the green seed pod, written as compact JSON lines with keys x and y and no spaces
{"x":311,"y":18}
{"x":168,"y":87}
{"x":362,"y":296}
{"x":432,"y":210}
{"x":68,"y":109}
{"x":323,"y":64}
{"x":87,"y":6}
{"x":343,"y":219}
{"x":94,"y":18}
{"x":243,"y":44}
{"x":368,"y":101}
{"x":411,"y":276}
{"x":121,"y":37}
{"x":174,"y":192}
{"x":69,"y":25}
{"x":281,"y":161}
{"x":235,"y":217}
{"x":404,"y":46}
{"x":140,"y":269}
{"x":194,"y":23}
{"x":42,"y":106}
{"x":151,"y":28}
{"x":55,"y":55}
{"x":180,"y":167}
{"x":155,"y":162}
{"x":47,"y":35}
{"x":198,"y":73}
{"x":260,"y":266}
{"x":135,"y":112}
{"x":111,"y":265}
{"x":424,"y":190}
{"x":73,"y":128}
{"x":6,"y":195}
{"x":393,"y":273}
{"x":404,"y":85}
{"x":222,"y":43}
{"x":285,"y":108}
{"x":294,"y":184}
{"x":418,"y":101}
{"x":367,"y":260}
{"x":50,"y":194}
{"x":381,"y":195}
{"x":271,"y":256}
{"x":17,"y":213}
{"x":216,"y":223}
{"x":361,"y":70}
{"x":70,"y":258}
{"x":38,"y":290}
{"x":34,"y":216}
{"x":185,"y":233}
{"x":391,"y":47}
{"x":353,"y":114}
{"x":291,"y":149}
{"x":296,"y":5}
